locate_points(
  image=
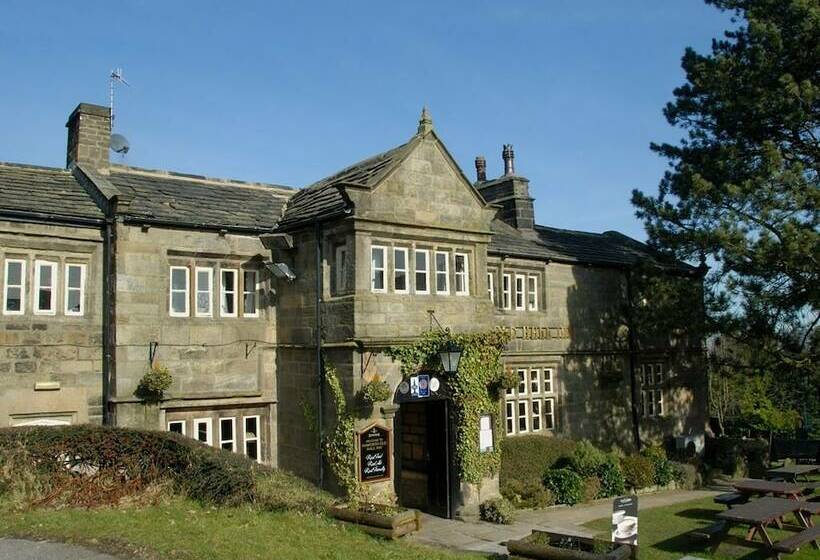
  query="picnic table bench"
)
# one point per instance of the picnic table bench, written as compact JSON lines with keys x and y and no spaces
{"x":793,"y":473}
{"x":754,"y":487}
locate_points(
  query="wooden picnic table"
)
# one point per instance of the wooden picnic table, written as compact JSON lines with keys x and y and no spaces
{"x":792,"y":473}
{"x":760,"y":514}
{"x":755,"y":487}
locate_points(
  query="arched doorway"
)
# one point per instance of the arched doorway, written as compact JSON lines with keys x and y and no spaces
{"x":425,"y":475}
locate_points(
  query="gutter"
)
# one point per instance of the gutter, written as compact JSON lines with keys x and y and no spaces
{"x":320,"y":371}
{"x":176,"y":224}
{"x":50,"y":219}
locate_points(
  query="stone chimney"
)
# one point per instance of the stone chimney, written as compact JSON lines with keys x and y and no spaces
{"x":89,"y":135}
{"x":511,"y":193}
{"x":480,"y":169}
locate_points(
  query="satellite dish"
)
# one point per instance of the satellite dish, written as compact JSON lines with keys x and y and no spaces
{"x":119,"y":144}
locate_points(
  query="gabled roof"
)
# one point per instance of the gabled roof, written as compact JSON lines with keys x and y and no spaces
{"x":325,"y":198}
{"x":196,"y":201}
{"x":45,"y":191}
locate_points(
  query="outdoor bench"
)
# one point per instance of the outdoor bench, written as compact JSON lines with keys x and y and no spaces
{"x":731,"y":499}
{"x":710,"y":531}
{"x":793,"y":543}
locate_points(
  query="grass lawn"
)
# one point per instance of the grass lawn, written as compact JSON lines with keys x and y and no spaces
{"x":661,"y":534}
{"x":182,"y":529}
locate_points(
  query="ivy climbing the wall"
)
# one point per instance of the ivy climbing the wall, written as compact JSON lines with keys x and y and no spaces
{"x":476,"y":388}
{"x":340,"y":444}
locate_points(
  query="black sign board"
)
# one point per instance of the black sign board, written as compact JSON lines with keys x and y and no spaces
{"x":625,"y":520}
{"x":374,"y":454}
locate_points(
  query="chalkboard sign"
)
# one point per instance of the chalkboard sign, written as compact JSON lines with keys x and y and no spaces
{"x":374,"y":454}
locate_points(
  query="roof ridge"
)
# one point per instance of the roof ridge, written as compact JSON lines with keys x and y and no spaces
{"x":193,"y":178}
{"x":330,"y":179}
{"x":553,"y":228}
{"x":32,"y":166}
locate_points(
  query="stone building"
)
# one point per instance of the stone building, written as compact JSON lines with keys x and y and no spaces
{"x":238,"y":289}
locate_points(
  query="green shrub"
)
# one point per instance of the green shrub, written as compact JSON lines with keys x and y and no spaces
{"x":497,"y":510}
{"x":527,"y":494}
{"x":685,"y":475}
{"x":661,"y":465}
{"x":639,"y":472}
{"x":566,"y":485}
{"x":282,"y":491}
{"x":591,"y":489}
{"x":611,"y":478}
{"x":586,"y":459}
{"x":524,"y":459}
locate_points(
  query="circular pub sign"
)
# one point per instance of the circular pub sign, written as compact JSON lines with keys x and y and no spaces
{"x":374,"y":454}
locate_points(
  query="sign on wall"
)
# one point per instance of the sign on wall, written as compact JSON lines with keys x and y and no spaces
{"x":374,"y":454}
{"x":625,"y":520}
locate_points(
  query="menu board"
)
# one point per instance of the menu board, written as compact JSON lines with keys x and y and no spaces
{"x":374,"y":454}
{"x":625,"y":520}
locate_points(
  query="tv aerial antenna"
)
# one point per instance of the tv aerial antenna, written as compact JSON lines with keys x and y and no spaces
{"x":118,"y":143}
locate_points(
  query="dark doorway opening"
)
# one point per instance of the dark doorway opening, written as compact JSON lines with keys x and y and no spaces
{"x":424,"y":457}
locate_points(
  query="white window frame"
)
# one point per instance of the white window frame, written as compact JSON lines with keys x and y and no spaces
{"x":520,"y":292}
{"x":254,"y":293}
{"x":223,"y":292}
{"x":374,"y":269}
{"x":222,"y":439}
{"x":532,"y":292}
{"x":510,"y":419}
{"x":491,"y":286}
{"x":548,"y":412}
{"x":464,"y":276}
{"x":198,"y":290}
{"x":659,"y":374}
{"x":341,"y":267}
{"x":445,"y":272}
{"x":525,"y":416}
{"x":181,"y":422}
{"x":535,"y":384}
{"x":39,"y":265}
{"x":549,"y":381}
{"x":257,"y":438}
{"x":425,"y":271}
{"x":406,"y":270}
{"x":506,"y":292}
{"x":536,"y":415}
{"x":21,"y":286}
{"x":523,"y":377}
{"x":186,"y":290}
{"x":209,"y":440}
{"x":68,"y":289}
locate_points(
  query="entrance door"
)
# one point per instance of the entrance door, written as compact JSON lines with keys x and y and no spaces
{"x":424,"y":478}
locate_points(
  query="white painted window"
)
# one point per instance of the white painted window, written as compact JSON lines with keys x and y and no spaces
{"x":535,"y":381}
{"x":547,"y":381}
{"x":177,"y":426}
{"x":532,"y":293}
{"x":485,"y":433}
{"x":422,"y":262}
{"x":202,"y":430}
{"x":250,"y":293}
{"x":658,"y":402}
{"x":227,"y":433}
{"x":14,"y":294}
{"x":652,"y":377}
{"x":74,"y":289}
{"x":341,"y":268}
{"x":522,"y":381}
{"x":519,"y":292}
{"x":549,"y":414}
{"x":659,"y":374}
{"x":251,"y":436}
{"x":228,"y":285}
{"x":491,"y":286}
{"x":462,"y":266}
{"x":204,"y":280}
{"x":400,"y":285}
{"x":442,"y":272}
{"x":45,"y":288}
{"x":178,"y":298}
{"x":506,"y":295}
{"x":378,"y":261}
{"x":523,"y":417}
{"x":510,"y":417}
{"x":536,"y":415}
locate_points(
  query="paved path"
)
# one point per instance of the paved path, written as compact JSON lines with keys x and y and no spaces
{"x":18,"y":549}
{"x":488,"y":538}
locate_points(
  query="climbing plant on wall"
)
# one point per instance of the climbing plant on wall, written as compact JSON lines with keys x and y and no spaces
{"x":475,"y":388}
{"x":340,"y":444}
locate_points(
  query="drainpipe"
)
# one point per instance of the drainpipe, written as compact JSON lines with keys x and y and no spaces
{"x":633,"y":355}
{"x":320,"y":371}
{"x":109,"y":316}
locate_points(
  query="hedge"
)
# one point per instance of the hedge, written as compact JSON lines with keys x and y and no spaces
{"x":639,"y":472}
{"x":566,"y":485}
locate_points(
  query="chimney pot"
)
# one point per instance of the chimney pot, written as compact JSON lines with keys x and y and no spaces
{"x":508,"y":156}
{"x":481,"y":168}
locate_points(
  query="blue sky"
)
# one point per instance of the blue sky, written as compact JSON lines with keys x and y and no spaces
{"x":289,"y":92}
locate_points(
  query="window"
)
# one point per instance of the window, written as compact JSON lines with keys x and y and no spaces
{"x":250,"y":296}
{"x":532,"y":293}
{"x":45,"y":287}
{"x":14,"y":298}
{"x":522,"y":381}
{"x":462,"y":275}
{"x":510,"y":405}
{"x":519,"y":292}
{"x":340,"y":276}
{"x":202,"y":430}
{"x":491,"y":286}
{"x":204,"y":291}
{"x":536,"y":416}
{"x":525,"y":408}
{"x":74,"y":289}
{"x":251,"y":437}
{"x":227,"y":431}
{"x":535,"y":381}
{"x":377,"y":266}
{"x":178,"y":302}
{"x":523,"y":418}
{"x":177,"y":427}
{"x":485,"y":433}
{"x":658,"y":374}
{"x":506,"y":299}
{"x":442,"y":273}
{"x":547,"y":381}
{"x":549,"y":414}
{"x":228,"y":282}
{"x":422,"y":266}
{"x":652,"y":377}
{"x":400,"y":270}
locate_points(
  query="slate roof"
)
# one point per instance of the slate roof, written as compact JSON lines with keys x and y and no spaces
{"x":192,"y":200}
{"x":326,"y":198}
{"x":44,"y":190}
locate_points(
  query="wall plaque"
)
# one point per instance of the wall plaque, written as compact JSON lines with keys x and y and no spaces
{"x":374,"y":454}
